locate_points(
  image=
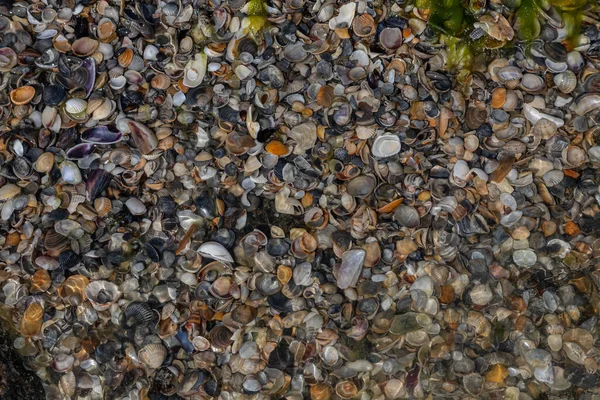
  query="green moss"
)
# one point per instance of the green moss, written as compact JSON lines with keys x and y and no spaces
{"x":571,"y":12}
{"x":460,"y":53}
{"x":527,"y":15}
{"x":448,"y":16}
{"x":257,"y":16}
{"x":257,"y":8}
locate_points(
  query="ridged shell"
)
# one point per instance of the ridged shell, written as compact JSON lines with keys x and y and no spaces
{"x":103,"y":206}
{"x":363,"y":25}
{"x":566,"y":81}
{"x":153,"y":355}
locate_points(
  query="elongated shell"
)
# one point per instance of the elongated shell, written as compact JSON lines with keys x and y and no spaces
{"x":194,"y":71}
{"x":215,"y":250}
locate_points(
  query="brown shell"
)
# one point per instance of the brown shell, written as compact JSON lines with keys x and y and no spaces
{"x":31,"y":323}
{"x":244,"y":314}
{"x":22,"y":95}
{"x":73,"y":289}
{"x":364,"y":25}
{"x":103,"y":206}
{"x":220,"y":337}
{"x":84,"y":46}
{"x":125,"y":58}
{"x":40,"y":281}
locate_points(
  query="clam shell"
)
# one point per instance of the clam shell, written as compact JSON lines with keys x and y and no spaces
{"x":31,"y":323}
{"x":22,"y":95}
{"x":84,"y":46}
{"x":152,"y":355}
{"x":386,"y":146}
{"x":566,"y":81}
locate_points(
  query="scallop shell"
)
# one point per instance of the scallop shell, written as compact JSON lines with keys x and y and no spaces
{"x":363,"y":25}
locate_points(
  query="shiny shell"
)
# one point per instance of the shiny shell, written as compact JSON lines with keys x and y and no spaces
{"x":22,"y":95}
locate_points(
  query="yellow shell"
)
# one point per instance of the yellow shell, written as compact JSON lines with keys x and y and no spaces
{"x":31,"y":323}
{"x":40,"y":281}
{"x":73,"y":289}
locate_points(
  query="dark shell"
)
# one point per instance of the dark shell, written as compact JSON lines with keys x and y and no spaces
{"x":139,"y":314}
{"x":54,"y":95}
{"x":102,"y":135}
{"x":97,"y":182}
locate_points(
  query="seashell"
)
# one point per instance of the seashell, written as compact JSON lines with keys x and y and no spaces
{"x":79,"y":151}
{"x":586,"y":103}
{"x":40,"y":281}
{"x":22,"y":95}
{"x":532,"y":83}
{"x":220,"y":337}
{"x":153,"y":355}
{"x":391,"y":38}
{"x":70,"y":173}
{"x":194,"y":71}
{"x":102,"y":294}
{"x":407,"y":216}
{"x":139,"y":314}
{"x":573,"y":156}
{"x":76,"y":108}
{"x":386,"y":146}
{"x":509,"y":73}
{"x":31,"y":323}
{"x":344,"y":18}
{"x":361,"y":186}
{"x":346,"y":389}
{"x":101,"y":135}
{"x":72,"y":290}
{"x":244,"y":314}
{"x":350,"y":268}
{"x":84,"y":46}
{"x":103,"y":206}
{"x":143,"y":137}
{"x":8,"y":59}
{"x":565,"y":81}
{"x":363,"y":25}
{"x":215,"y":251}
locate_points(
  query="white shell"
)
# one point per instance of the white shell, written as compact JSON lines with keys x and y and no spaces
{"x":70,"y":172}
{"x":344,"y":17}
{"x":75,"y":106}
{"x":150,"y":53}
{"x":194,"y":71}
{"x":386,"y":146}
{"x":534,"y":115}
{"x":215,"y":250}
{"x":93,"y":289}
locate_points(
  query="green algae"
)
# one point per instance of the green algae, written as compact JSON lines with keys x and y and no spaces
{"x":448,"y":16}
{"x":256,"y":11}
{"x":529,"y":25}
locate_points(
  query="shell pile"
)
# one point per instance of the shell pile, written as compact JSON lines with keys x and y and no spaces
{"x":302,"y":199}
